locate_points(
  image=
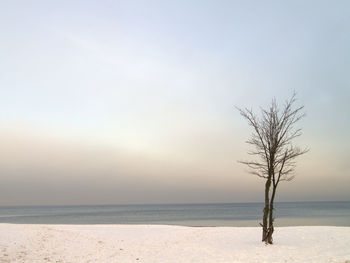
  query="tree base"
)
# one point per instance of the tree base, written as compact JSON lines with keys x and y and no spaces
{"x":267,"y":235}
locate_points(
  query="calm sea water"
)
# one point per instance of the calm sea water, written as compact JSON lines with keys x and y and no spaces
{"x":235,"y":214}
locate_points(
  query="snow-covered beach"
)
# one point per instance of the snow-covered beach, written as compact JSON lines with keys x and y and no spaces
{"x":161,"y":243}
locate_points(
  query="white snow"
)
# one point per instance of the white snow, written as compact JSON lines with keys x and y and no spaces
{"x":159,"y":243}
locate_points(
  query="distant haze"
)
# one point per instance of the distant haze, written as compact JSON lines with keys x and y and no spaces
{"x":120,"y":102}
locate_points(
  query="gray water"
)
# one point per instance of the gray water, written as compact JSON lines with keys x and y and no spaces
{"x":233,"y":214}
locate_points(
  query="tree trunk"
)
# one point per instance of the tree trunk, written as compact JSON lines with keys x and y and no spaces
{"x":266,"y":210}
{"x":269,"y":239}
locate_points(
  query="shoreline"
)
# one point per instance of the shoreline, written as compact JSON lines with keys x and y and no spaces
{"x":169,"y":225}
{"x":279,"y":222}
{"x":169,"y":243}
{"x":203,"y":215}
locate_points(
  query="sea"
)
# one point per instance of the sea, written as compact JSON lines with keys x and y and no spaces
{"x":227,"y":214}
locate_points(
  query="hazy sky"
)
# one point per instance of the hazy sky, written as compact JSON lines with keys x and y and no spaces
{"x":112,"y":102}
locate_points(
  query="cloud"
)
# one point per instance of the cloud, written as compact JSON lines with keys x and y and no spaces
{"x":44,"y":169}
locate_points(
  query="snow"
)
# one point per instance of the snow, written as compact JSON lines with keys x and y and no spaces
{"x":160,"y":243}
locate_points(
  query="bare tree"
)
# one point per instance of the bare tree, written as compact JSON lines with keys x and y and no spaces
{"x":273,"y":133}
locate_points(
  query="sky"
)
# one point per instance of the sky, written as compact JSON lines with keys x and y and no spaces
{"x":133,"y":102}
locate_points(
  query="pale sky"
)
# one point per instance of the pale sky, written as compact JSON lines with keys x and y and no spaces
{"x":120,"y":102}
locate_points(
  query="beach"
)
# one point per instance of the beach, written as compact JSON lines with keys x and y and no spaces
{"x":162,"y":243}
